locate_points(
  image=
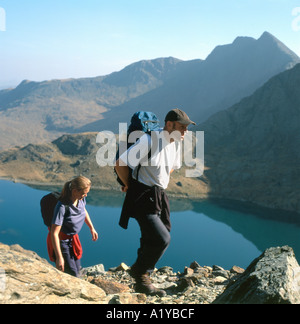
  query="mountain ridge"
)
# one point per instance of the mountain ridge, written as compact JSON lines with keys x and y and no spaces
{"x":230,"y":73}
{"x":43,"y":111}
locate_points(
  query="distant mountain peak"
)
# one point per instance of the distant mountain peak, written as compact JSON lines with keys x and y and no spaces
{"x":268,"y":36}
{"x":269,"y":39}
{"x":267,"y":45}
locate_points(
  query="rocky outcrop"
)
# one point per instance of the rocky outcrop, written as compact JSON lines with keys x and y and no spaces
{"x":25,"y":278}
{"x":273,"y":278}
{"x":28,"y":279}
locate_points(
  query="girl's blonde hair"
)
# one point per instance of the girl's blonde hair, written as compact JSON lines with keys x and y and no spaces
{"x":79,"y":183}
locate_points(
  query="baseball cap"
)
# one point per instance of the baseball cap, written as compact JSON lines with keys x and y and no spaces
{"x":179,"y":116}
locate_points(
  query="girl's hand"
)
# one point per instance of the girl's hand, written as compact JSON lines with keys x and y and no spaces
{"x":60,"y":264}
{"x":94,"y":235}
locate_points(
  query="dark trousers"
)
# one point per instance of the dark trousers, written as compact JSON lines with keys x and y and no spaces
{"x":72,"y":264}
{"x":154,"y":242}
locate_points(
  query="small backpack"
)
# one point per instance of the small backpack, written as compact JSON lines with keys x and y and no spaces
{"x":48,"y":204}
{"x":143,"y":121}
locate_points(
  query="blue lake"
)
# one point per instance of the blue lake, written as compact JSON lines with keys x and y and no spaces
{"x":211,"y":233}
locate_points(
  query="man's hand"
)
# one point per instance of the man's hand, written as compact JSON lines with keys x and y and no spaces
{"x":123,"y":173}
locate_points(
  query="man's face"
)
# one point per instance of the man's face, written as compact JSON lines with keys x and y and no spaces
{"x":177,"y":130}
{"x":181,"y":128}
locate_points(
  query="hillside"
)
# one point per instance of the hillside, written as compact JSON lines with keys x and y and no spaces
{"x":37,"y":112}
{"x":253,"y":148}
{"x":42,"y":111}
{"x":71,"y":155}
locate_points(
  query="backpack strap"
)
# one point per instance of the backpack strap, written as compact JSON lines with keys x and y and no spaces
{"x":68,"y":212}
{"x":67,"y":209}
{"x":149,"y":154}
{"x":140,"y":165}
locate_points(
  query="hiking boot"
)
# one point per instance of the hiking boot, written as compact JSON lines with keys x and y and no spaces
{"x":144,"y":286}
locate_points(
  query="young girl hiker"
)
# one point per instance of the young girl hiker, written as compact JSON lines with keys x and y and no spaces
{"x":69,"y":216}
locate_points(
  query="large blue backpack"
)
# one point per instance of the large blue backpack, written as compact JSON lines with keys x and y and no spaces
{"x":143,"y":121}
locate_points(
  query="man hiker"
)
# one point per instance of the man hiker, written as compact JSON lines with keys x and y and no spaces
{"x":146,"y":199}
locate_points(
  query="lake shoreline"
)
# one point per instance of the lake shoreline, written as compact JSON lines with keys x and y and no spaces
{"x":235,"y":204}
{"x":100,"y":188}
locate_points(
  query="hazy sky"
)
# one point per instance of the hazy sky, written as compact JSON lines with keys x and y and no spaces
{"x":41,"y":40}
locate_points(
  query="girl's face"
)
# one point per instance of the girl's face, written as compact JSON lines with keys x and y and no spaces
{"x":80,"y":194}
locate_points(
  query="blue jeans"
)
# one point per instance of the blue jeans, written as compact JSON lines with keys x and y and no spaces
{"x":154,"y":242}
{"x":72,"y":264}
